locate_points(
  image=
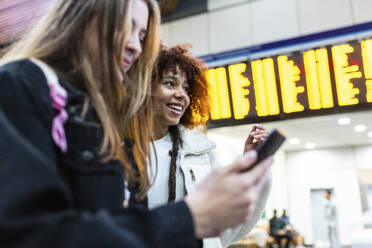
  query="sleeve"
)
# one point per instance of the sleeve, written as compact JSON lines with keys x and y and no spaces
{"x":34,"y":201}
{"x":232,"y":235}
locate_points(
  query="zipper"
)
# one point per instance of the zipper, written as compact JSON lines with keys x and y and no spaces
{"x":193,"y":178}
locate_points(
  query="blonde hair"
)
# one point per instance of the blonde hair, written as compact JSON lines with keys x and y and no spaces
{"x":141,"y":125}
{"x":61,"y":37}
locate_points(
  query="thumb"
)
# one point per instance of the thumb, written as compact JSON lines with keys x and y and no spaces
{"x":242,"y":162}
{"x":249,"y":139}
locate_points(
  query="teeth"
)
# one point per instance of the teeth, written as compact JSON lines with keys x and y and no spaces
{"x":176,"y":107}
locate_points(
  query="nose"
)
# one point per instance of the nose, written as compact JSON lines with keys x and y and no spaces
{"x":133,"y":47}
{"x":180,"y":93}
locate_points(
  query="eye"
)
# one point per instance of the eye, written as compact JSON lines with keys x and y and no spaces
{"x":169,"y":83}
{"x":142,"y":39}
{"x":186,"y":89}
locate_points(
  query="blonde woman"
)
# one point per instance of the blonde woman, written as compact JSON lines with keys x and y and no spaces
{"x":72,"y":92}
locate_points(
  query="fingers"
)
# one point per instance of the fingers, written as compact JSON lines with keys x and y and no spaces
{"x":260,"y":135}
{"x":242,"y":163}
{"x":255,"y":128}
{"x":260,"y":184}
{"x":253,"y":195}
{"x":257,"y":132}
{"x":250,"y":138}
{"x":258,"y":127}
{"x":253,"y":176}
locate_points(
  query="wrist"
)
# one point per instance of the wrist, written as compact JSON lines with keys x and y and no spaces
{"x":195,"y":215}
{"x":201,"y":219}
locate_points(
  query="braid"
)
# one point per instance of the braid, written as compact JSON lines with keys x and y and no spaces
{"x":176,"y":141}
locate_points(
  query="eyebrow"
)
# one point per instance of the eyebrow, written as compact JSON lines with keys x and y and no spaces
{"x":175,"y":78}
{"x":171,"y":77}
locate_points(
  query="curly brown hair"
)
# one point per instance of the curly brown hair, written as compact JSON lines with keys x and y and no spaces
{"x":178,"y":56}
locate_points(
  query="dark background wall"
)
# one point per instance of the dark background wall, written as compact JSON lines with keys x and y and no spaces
{"x":177,"y":9}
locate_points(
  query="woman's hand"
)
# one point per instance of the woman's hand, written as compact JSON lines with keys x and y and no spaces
{"x":227,"y":197}
{"x":257,"y":134}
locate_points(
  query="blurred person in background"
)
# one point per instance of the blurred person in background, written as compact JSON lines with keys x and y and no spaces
{"x":277,"y":230}
{"x":330,"y":214}
{"x":292,"y":235}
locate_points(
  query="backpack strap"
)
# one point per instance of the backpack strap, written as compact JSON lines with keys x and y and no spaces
{"x":58,"y":97}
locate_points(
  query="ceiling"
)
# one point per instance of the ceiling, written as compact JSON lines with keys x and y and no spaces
{"x":323,"y":131}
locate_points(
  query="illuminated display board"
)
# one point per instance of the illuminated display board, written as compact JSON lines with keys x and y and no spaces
{"x":325,"y":80}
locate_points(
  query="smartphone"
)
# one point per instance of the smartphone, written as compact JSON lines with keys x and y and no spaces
{"x":269,"y":146}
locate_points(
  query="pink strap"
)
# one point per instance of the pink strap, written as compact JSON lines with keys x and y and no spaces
{"x":58,"y":96}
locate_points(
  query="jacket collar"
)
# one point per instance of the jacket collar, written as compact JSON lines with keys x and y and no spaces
{"x":195,"y":142}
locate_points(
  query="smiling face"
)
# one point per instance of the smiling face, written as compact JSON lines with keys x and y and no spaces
{"x":171,"y":99}
{"x":133,"y":46}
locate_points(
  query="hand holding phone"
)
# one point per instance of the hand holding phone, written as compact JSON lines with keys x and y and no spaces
{"x":269,"y":146}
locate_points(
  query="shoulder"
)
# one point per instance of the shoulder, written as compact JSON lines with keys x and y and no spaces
{"x":22,"y":75}
{"x":21,"y":68}
{"x":23,"y":87}
{"x":195,"y":141}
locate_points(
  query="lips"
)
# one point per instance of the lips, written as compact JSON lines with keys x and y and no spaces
{"x":175,"y":108}
{"x":126,"y":63}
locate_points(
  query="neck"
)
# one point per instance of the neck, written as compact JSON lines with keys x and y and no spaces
{"x":160,"y":131}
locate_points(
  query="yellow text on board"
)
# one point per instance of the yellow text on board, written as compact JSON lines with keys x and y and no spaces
{"x":316,"y":79}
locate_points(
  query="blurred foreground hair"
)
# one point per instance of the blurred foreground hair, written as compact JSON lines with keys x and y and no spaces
{"x":63,"y":39}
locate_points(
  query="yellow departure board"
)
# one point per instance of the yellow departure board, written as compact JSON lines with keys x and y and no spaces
{"x":325,"y":80}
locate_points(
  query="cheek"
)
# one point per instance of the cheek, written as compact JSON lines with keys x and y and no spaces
{"x":158,"y":109}
{"x":162,"y":95}
{"x":159,"y":102}
{"x":156,"y":102}
{"x":135,"y":57}
{"x":187,"y":102}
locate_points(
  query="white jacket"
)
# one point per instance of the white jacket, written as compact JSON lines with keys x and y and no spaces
{"x":197,"y":159}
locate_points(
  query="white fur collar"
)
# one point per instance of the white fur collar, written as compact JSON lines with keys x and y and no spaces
{"x":195,"y":142}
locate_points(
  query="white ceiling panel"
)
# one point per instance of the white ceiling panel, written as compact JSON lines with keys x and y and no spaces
{"x":323,"y":131}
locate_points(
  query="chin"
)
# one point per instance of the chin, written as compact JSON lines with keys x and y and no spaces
{"x":173,"y":123}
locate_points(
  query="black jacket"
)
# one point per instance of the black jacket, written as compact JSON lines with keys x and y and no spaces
{"x":50,"y":199}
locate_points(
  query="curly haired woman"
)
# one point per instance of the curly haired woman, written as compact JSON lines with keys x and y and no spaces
{"x":185,"y":156}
